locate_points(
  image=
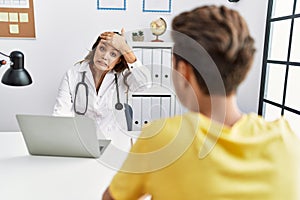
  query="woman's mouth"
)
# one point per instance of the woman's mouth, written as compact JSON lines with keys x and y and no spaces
{"x":102,"y":63}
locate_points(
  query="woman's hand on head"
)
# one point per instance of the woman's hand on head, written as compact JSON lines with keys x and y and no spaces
{"x":117,"y":41}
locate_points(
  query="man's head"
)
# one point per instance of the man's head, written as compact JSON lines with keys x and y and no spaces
{"x":224,"y":35}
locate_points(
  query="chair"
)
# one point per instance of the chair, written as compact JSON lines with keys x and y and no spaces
{"x":129,"y":116}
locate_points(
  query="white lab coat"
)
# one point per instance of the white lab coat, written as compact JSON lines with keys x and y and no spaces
{"x":110,"y":123}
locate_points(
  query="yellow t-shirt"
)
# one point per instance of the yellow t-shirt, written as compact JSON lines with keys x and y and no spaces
{"x":191,"y":157}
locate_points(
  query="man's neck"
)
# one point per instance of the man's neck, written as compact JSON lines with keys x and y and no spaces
{"x":223,"y":109}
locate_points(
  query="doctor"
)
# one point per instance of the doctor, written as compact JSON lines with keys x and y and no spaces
{"x":97,"y":86}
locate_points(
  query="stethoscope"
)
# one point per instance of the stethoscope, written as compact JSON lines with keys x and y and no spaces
{"x":118,"y":105}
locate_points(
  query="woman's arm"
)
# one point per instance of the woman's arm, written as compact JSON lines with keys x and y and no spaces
{"x":139,"y":77}
{"x":129,"y":56}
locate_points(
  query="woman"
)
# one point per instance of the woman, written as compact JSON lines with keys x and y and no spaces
{"x":97,"y":86}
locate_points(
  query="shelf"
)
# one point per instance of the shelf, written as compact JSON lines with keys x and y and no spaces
{"x":154,"y":91}
{"x":152,"y":44}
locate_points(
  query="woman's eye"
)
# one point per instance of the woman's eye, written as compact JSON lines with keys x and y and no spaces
{"x":113,"y":54}
{"x":102,"y":48}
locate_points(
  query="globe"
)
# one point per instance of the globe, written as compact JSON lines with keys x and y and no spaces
{"x":158,"y":27}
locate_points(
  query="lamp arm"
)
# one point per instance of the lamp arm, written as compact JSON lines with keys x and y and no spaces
{"x":4,"y":54}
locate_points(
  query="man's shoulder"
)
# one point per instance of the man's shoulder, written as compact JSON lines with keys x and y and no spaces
{"x":253,"y":127}
{"x":263,"y":124}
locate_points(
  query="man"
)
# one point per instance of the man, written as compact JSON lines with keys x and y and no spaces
{"x":214,"y":151}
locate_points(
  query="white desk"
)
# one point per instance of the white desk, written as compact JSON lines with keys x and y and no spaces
{"x":27,"y":177}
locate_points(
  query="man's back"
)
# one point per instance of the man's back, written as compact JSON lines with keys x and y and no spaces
{"x":193,"y":156}
{"x":254,"y":159}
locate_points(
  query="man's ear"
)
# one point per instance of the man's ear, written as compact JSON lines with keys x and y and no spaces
{"x":184,"y":82}
{"x":185,"y":69}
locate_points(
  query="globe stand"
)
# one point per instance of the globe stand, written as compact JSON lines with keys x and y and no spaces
{"x":156,"y":39}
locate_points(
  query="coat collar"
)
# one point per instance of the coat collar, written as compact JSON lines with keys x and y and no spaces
{"x":84,"y":66}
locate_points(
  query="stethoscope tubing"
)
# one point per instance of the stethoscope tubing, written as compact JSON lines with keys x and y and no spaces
{"x":118,"y":105}
{"x":82,"y":82}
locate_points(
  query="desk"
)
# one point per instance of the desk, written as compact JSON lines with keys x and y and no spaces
{"x":27,"y":177}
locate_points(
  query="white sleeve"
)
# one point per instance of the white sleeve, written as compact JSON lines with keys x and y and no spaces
{"x":64,"y":102}
{"x":140,"y":77}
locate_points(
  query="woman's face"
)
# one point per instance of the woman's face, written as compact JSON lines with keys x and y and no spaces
{"x":106,"y":57}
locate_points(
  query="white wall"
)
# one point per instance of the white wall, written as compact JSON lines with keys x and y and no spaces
{"x":66,"y":29}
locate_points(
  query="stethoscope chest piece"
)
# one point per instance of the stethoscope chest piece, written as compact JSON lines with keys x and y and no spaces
{"x":119,"y":106}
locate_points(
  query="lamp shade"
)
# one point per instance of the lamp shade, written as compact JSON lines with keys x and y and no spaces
{"x":16,"y":75}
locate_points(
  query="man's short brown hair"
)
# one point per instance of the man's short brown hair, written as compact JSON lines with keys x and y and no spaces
{"x":224,"y":35}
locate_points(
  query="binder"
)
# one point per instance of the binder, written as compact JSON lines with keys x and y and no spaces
{"x":155,"y":107}
{"x":138,"y":53}
{"x":146,"y":110}
{"x":147,"y":58}
{"x":156,"y":66}
{"x":173,"y":103}
{"x":137,"y":116}
{"x":166,"y":68}
{"x":165,"y":106}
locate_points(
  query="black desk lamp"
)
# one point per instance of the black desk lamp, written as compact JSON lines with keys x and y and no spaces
{"x":16,"y":75}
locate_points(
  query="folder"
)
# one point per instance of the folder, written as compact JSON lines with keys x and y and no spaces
{"x":138,"y":53}
{"x":165,"y":106}
{"x":173,"y":103}
{"x":137,"y":116}
{"x":146,"y":110}
{"x":155,"y":107}
{"x":147,"y":58}
{"x":166,"y":68}
{"x":156,"y":66}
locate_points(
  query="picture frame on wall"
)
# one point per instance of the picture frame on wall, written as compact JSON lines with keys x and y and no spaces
{"x":161,"y":6}
{"x":17,"y":19}
{"x":111,"y":4}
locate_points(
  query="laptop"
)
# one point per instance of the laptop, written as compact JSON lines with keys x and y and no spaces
{"x":61,"y":136}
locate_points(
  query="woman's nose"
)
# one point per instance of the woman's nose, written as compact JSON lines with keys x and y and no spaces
{"x":106,"y":55}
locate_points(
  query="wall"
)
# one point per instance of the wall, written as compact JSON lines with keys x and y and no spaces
{"x":65,"y":31}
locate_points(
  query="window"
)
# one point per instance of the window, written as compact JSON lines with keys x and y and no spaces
{"x":279,"y":92}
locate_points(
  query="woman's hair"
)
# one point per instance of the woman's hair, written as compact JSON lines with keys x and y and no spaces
{"x":120,"y":67}
{"x":224,"y":34}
